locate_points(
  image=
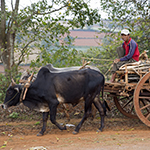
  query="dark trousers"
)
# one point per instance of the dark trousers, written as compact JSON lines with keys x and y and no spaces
{"x":121,"y":53}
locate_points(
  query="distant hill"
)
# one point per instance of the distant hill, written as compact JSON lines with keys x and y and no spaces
{"x":86,"y":38}
{"x":90,"y":35}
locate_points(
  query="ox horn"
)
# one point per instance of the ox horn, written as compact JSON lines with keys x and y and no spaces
{"x":13,"y":82}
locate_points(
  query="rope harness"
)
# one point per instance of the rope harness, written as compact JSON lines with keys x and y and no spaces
{"x":12,"y":98}
{"x":22,"y":93}
{"x":24,"y":88}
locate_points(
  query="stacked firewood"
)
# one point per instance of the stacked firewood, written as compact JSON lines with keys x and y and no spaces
{"x":142,"y":66}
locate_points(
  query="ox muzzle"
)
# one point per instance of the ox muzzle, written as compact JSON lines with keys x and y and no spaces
{"x":3,"y":106}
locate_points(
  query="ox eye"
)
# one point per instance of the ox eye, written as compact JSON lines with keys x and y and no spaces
{"x":9,"y":92}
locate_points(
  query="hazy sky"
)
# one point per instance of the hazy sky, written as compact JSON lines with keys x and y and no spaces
{"x":24,"y":3}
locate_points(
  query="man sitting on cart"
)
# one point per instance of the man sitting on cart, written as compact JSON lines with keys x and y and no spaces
{"x":127,"y":53}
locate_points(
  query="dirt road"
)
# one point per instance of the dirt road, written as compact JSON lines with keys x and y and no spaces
{"x":119,"y":133}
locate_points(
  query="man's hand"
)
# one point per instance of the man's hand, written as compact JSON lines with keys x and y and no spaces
{"x":116,"y":60}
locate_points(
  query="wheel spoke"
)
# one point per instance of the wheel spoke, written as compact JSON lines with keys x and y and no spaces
{"x":148,"y":100}
{"x":148,"y":116}
{"x":144,"y":107}
{"x":125,"y":106}
{"x":132,"y":109}
{"x":147,"y":89}
{"x":144,"y":97}
{"x":127,"y":103}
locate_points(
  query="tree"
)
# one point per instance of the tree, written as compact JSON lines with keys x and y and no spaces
{"x":131,"y":14}
{"x":43,"y":24}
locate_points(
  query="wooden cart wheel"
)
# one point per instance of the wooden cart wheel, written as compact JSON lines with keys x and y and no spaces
{"x":125,"y":106}
{"x":142,"y":99}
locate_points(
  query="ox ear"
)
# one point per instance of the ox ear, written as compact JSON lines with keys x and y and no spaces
{"x":13,"y":82}
{"x":17,"y":89}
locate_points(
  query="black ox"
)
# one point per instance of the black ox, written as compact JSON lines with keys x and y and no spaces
{"x":53,"y":88}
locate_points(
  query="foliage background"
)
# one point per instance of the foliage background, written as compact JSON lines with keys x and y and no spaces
{"x":32,"y":28}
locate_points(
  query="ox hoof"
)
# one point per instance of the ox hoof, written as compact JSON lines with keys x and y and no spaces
{"x":65,"y":128}
{"x":75,"y":132}
{"x":39,"y":134}
{"x":100,"y":130}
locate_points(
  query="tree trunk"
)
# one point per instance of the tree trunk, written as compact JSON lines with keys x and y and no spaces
{"x":8,"y":54}
{"x":7,"y":39}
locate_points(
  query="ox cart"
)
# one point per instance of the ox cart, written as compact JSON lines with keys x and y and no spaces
{"x":131,"y":90}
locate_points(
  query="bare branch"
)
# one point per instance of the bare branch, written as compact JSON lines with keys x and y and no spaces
{"x":17,"y":5}
{"x":144,"y":1}
{"x":14,"y":12}
{"x":134,"y":1}
{"x":40,"y":14}
{"x":12,"y":4}
{"x":9,"y":24}
{"x":53,"y":10}
{"x":22,"y":52}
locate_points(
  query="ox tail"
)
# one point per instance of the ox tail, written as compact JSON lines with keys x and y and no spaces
{"x":105,"y":105}
{"x":102,"y":90}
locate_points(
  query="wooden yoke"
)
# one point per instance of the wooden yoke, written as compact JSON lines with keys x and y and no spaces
{"x":126,"y":74}
{"x":86,"y":63}
{"x":27,"y":85}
